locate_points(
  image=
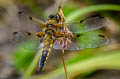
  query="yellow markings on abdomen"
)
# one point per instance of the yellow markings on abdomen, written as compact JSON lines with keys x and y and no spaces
{"x":48,"y":43}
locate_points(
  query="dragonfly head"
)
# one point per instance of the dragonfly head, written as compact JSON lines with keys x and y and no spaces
{"x":54,"y":17}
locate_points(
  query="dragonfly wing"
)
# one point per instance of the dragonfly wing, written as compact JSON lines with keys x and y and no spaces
{"x":87,"y":24}
{"x":81,"y":42}
{"x":90,"y":41}
{"x":26,"y":23}
{"x":28,"y":41}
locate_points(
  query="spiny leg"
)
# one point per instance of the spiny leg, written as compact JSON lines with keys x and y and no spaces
{"x":38,"y":34}
{"x":58,"y":34}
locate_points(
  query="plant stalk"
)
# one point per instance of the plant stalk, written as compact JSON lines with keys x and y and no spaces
{"x":65,"y":69}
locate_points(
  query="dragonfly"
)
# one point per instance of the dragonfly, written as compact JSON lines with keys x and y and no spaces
{"x":58,"y":34}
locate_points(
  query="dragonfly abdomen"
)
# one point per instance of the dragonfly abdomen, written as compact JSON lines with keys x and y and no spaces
{"x":43,"y":59}
{"x":45,"y":53}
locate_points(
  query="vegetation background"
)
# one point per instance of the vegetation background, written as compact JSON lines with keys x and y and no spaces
{"x":97,"y":63}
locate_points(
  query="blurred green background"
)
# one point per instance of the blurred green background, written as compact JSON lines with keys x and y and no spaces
{"x":98,"y":63}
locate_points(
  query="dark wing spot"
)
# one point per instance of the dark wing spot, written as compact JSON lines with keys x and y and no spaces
{"x":38,"y":35}
{"x":30,"y":17}
{"x":81,"y":21}
{"x":20,"y":12}
{"x":15,"y":32}
{"x":101,"y":36}
{"x":29,"y":33}
{"x":78,"y":35}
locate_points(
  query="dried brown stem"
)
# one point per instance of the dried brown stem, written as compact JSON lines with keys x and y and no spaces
{"x":60,"y":12}
{"x":59,"y":6}
{"x":63,"y":60}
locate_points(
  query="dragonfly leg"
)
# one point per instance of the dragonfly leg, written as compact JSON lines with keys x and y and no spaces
{"x":39,"y":34}
{"x":58,"y":34}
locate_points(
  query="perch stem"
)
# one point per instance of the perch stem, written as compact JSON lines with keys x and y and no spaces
{"x":65,"y":69}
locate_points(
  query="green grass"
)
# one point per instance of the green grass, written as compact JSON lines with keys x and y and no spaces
{"x":81,"y":12}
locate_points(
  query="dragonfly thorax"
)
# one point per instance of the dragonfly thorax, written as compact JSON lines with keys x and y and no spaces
{"x":49,"y":26}
{"x":49,"y":31}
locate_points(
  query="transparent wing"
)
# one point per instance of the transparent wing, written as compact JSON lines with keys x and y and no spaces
{"x":84,"y":41}
{"x":29,"y":41}
{"x":87,"y":24}
{"x":26,"y":23}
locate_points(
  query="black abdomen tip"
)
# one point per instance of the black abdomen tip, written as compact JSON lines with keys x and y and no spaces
{"x":41,"y":66}
{"x":40,"y":70}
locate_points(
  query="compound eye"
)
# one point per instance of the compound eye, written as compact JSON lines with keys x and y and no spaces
{"x":57,"y":17}
{"x":51,"y":16}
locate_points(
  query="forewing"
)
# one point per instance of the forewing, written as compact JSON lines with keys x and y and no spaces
{"x":84,"y":41}
{"x":87,"y":24}
{"x":28,"y":41}
{"x":26,"y":24}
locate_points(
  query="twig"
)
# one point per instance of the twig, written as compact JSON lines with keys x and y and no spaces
{"x":63,"y":60}
{"x":59,"y":6}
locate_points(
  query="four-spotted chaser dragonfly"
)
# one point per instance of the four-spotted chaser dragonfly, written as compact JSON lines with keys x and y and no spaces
{"x":63,"y":35}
